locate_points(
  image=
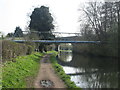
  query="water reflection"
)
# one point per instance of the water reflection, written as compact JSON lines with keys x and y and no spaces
{"x":66,"y":56}
{"x":90,"y":72}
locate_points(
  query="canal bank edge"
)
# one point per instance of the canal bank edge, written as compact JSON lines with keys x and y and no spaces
{"x":21,"y":72}
{"x":60,"y":72}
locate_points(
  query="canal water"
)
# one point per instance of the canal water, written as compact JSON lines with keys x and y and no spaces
{"x":88,"y":71}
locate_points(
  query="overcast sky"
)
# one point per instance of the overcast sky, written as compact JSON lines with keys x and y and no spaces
{"x":14,"y":13}
{"x":65,"y":13}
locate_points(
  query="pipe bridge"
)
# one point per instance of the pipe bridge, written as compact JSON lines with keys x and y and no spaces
{"x":55,"y":41}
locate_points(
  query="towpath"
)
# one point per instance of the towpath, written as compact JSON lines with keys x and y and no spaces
{"x":47,"y":77}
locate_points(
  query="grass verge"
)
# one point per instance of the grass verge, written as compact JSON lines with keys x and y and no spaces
{"x":60,"y":72}
{"x":15,"y":73}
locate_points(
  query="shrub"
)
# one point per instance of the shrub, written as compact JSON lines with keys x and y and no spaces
{"x":30,"y":50}
{"x":11,"y":50}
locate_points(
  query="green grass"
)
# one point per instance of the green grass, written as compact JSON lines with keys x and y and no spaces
{"x":60,"y":72}
{"x":65,"y":50}
{"x":52,"y":52}
{"x":15,"y":73}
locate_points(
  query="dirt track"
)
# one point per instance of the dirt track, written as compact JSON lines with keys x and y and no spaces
{"x":46,"y":72}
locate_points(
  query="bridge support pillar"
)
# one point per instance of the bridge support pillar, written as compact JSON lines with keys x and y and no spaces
{"x":56,"y":47}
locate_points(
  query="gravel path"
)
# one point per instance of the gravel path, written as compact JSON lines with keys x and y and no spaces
{"x":46,"y":77}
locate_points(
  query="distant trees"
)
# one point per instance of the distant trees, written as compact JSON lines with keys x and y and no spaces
{"x":1,"y":35}
{"x":10,"y":35}
{"x":18,"y":32}
{"x":101,"y":22}
{"x":41,"y":21}
{"x":102,"y":19}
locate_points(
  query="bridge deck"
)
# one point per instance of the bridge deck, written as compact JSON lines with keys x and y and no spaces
{"x":55,"y":41}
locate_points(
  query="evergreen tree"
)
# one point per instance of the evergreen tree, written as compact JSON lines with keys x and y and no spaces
{"x":18,"y":32}
{"x":41,"y":21}
{"x":10,"y":35}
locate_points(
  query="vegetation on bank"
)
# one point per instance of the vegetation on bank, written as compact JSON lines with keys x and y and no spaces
{"x":107,"y":50}
{"x":101,"y":22}
{"x":65,"y":50}
{"x":52,"y":52}
{"x":61,"y":73}
{"x":11,"y":50}
{"x":15,"y":73}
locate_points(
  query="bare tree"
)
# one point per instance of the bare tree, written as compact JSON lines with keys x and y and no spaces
{"x":103,"y":17}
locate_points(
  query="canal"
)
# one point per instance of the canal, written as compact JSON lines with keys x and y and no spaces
{"x":88,"y":71}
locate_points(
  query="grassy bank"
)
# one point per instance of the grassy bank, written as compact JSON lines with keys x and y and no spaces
{"x":15,"y":73}
{"x":60,"y":72}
